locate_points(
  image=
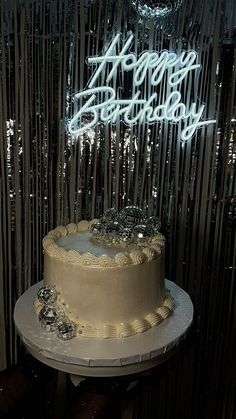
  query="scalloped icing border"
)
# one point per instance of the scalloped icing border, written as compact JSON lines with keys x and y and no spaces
{"x":119,"y":330}
{"x":134,"y":257}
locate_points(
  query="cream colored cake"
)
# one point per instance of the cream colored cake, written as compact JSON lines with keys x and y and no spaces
{"x":106,"y":289}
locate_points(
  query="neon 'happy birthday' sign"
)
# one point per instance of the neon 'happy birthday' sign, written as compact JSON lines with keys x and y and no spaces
{"x":102,"y":104}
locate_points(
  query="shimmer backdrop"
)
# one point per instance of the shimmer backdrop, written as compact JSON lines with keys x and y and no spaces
{"x":48,"y":178}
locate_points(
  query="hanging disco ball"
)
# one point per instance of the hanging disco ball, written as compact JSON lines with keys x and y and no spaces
{"x":156,"y":8}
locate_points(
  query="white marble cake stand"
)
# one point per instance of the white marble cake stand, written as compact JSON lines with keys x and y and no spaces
{"x":103,"y":357}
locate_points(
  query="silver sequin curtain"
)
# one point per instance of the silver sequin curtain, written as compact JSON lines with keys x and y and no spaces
{"x":47,"y":178}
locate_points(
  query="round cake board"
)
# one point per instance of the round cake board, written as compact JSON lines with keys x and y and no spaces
{"x":100,"y":357}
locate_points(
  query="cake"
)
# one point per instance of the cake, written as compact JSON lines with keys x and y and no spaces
{"x":104,"y":278}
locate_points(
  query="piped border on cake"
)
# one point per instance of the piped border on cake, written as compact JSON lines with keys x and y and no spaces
{"x":119,"y":330}
{"x":136,"y":256}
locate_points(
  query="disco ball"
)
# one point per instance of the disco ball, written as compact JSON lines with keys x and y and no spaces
{"x":156,"y":8}
{"x":155,"y":223}
{"x":113,"y":230}
{"x":126,"y":236}
{"x":48,"y":317}
{"x":96,"y":228}
{"x":110,"y":214}
{"x":66,"y":330}
{"x":47,"y":295}
{"x":131,"y":216}
{"x":142,"y":233}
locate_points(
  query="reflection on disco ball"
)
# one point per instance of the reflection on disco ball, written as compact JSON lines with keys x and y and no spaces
{"x":156,"y":8}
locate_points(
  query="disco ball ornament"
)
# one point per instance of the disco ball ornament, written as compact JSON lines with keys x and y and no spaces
{"x":49,"y":316}
{"x":126,"y":236}
{"x":66,"y":330}
{"x":110,"y":215}
{"x":113,"y":231}
{"x":47,"y":295}
{"x":142,"y":233}
{"x":96,"y":228}
{"x":154,"y":223}
{"x":156,"y":8}
{"x":130,"y":216}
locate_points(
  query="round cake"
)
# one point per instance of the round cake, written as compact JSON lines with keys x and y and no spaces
{"x":103,"y":285}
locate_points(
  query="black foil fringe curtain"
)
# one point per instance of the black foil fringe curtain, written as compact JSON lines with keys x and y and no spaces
{"x":48,"y":178}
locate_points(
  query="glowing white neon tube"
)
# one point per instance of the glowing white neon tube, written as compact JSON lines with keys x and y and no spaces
{"x":101,"y":103}
{"x":159,"y":62}
{"x":99,"y":107}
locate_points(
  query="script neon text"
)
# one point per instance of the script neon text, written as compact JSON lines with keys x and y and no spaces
{"x":102,"y":104}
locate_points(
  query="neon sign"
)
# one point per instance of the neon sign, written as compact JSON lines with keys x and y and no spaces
{"x":102,"y":103}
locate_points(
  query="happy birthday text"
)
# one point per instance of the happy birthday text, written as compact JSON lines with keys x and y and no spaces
{"x":101,"y":103}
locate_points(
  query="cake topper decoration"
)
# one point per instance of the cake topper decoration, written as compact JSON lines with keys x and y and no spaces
{"x":103,"y":103}
{"x":129,"y":226}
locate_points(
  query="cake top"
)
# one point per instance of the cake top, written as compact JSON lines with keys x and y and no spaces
{"x":117,"y":239}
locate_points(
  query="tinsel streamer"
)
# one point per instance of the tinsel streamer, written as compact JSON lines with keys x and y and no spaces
{"x":3,"y":357}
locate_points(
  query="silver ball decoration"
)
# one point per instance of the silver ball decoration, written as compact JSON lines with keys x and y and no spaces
{"x":155,"y":223}
{"x":110,"y":215}
{"x":128,"y":226}
{"x":113,"y":230}
{"x":130,"y":216}
{"x":47,"y":295}
{"x":66,"y":330}
{"x":156,"y":8}
{"x":126,"y":236}
{"x":142,"y":233}
{"x":96,"y":228}
{"x":48,"y":317}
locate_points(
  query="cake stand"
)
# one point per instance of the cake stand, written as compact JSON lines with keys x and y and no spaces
{"x":97,"y":357}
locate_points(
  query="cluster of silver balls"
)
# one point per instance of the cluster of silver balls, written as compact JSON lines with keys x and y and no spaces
{"x":130,"y":225}
{"x":52,"y":317}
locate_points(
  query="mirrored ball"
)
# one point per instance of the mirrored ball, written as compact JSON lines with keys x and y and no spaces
{"x":66,"y":329}
{"x":131,"y":216}
{"x":47,"y":295}
{"x":154,"y":223}
{"x":110,"y":215}
{"x":48,"y":317}
{"x":142,"y":233}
